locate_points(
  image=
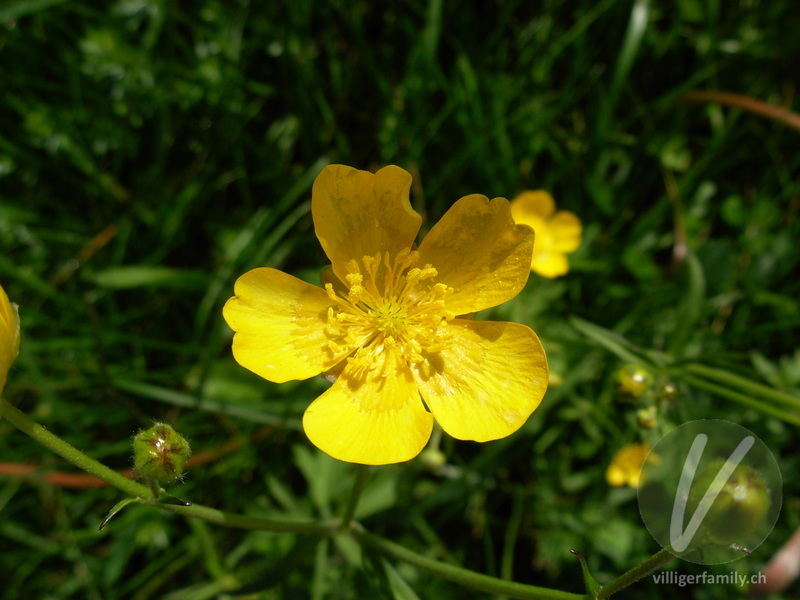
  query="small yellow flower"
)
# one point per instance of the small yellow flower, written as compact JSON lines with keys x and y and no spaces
{"x":9,"y":336}
{"x":557,"y":233}
{"x":387,"y":322}
{"x":626,"y":466}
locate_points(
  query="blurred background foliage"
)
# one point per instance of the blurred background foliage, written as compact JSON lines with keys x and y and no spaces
{"x":152,"y":151}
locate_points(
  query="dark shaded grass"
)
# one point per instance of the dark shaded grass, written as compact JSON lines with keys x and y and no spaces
{"x":195,"y":132}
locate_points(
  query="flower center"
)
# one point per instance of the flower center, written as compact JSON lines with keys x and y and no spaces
{"x":391,"y":317}
{"x":390,"y":305}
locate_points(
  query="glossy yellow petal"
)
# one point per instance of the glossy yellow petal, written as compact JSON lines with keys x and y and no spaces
{"x":373,"y":418}
{"x":281,"y":326}
{"x":550,"y":264}
{"x":480,"y":252}
{"x":487,"y":381}
{"x":9,"y":336}
{"x":565,"y":229}
{"x":532,"y":204}
{"x":359,"y":214}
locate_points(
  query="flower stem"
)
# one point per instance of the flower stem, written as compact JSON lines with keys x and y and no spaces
{"x":459,"y":575}
{"x":219,"y":517}
{"x":27,"y":425}
{"x":643,"y":569}
{"x":362,"y":474}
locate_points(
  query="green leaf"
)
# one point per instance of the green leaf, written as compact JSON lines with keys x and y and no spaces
{"x":118,"y":507}
{"x":613,"y":342}
{"x":135,"y":276}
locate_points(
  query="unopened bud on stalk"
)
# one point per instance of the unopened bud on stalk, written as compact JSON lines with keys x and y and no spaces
{"x":740,"y":507}
{"x":633,"y":381}
{"x":160,"y":454}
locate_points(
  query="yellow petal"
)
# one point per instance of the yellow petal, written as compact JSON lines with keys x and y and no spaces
{"x":479,"y":252}
{"x":9,"y":336}
{"x":626,"y":466}
{"x":376,"y":418}
{"x":616,"y":476}
{"x":281,"y":326}
{"x":565,"y":229}
{"x":550,"y":264}
{"x":485,"y":384}
{"x":359,"y":214}
{"x":537,"y":204}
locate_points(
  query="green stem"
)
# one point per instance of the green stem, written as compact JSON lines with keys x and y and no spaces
{"x":218,"y":517}
{"x":27,"y":425}
{"x":459,"y":575}
{"x":643,"y":569}
{"x":510,"y":542}
{"x":722,"y":376}
{"x":738,"y":397}
{"x":362,"y":474}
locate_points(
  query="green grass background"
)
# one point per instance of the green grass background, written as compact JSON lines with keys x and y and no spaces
{"x":195,"y":129}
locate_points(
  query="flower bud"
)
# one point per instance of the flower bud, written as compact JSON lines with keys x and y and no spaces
{"x":432,"y":458}
{"x":633,"y":381}
{"x":160,"y":454}
{"x":647,"y":418}
{"x":9,"y":336}
{"x":740,"y":507}
{"x":626,"y":466}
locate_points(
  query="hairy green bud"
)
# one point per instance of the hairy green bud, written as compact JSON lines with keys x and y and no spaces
{"x":740,"y":507}
{"x":160,"y":454}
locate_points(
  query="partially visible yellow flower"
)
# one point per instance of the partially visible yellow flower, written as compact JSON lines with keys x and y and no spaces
{"x":626,"y":466}
{"x":387,"y":325}
{"x":557,"y":233}
{"x":9,"y":336}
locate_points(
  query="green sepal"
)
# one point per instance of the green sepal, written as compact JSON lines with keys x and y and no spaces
{"x":592,"y":587}
{"x":117,"y":508}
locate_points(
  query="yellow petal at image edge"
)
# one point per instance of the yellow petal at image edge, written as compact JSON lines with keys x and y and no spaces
{"x":9,"y":336}
{"x":488,"y":380}
{"x":359,"y":214}
{"x":280,"y":325}
{"x":377,"y":419}
{"x":480,"y":252}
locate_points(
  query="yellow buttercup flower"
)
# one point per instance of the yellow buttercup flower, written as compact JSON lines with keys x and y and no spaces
{"x":626,"y":466}
{"x":557,"y":233}
{"x":9,"y":336}
{"x":387,"y":322}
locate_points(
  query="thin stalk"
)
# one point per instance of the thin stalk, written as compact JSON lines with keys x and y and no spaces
{"x":362,"y":474}
{"x":643,"y":569}
{"x":461,"y":576}
{"x":738,"y":397}
{"x":218,"y":517}
{"x":27,"y":425}
{"x":728,"y":378}
{"x":770,"y":111}
{"x":510,"y":542}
